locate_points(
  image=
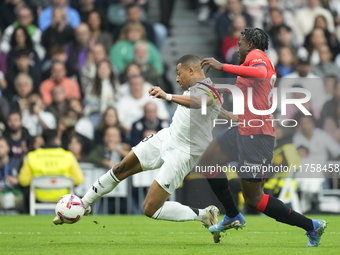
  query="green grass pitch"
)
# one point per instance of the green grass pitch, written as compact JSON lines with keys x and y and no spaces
{"x":140,"y":235}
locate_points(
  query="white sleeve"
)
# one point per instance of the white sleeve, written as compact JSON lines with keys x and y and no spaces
{"x":162,"y":112}
{"x":36,"y":38}
{"x":333,"y":147}
{"x":297,"y":140}
{"x":48,"y":119}
{"x":122,"y":115}
{"x":6,"y":38}
{"x":330,"y":20}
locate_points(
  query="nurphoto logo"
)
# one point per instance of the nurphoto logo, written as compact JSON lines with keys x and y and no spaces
{"x":238,"y":103}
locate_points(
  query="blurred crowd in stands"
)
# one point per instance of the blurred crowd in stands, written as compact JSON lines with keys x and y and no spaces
{"x":84,"y":67}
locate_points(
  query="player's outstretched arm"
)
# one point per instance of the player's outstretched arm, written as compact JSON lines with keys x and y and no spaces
{"x":256,"y":71}
{"x":185,"y":100}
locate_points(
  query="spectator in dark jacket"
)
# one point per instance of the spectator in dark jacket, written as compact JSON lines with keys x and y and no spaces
{"x":22,"y":65}
{"x":330,"y":107}
{"x":148,"y":122}
{"x":112,"y":151}
{"x":9,"y":9}
{"x":9,"y":183}
{"x":17,"y":136}
{"x":134,"y":14}
{"x":24,"y":87}
{"x":58,"y":33}
{"x":225,"y":20}
{"x":109,"y":119}
{"x":77,"y":52}
{"x":21,"y":40}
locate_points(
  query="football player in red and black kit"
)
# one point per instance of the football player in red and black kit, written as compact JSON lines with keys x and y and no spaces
{"x":251,"y":147}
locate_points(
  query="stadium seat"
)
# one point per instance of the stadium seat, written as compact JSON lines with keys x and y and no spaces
{"x":47,"y":182}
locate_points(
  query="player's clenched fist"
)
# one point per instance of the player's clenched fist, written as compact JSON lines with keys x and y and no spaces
{"x":157,"y":92}
{"x":211,"y":62}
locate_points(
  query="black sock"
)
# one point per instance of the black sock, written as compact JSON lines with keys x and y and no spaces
{"x":279,"y":211}
{"x":221,"y":188}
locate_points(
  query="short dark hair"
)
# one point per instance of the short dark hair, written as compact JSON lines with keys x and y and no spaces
{"x":132,"y":5}
{"x":57,"y":49}
{"x":257,"y":37}
{"x":49,"y":136}
{"x":299,"y":116}
{"x":22,"y":53}
{"x":14,"y":111}
{"x":284,"y":26}
{"x":186,"y":59}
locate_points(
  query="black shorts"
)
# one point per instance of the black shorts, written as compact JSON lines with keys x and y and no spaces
{"x":253,"y":153}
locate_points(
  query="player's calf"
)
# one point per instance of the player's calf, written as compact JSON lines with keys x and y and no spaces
{"x":150,"y":209}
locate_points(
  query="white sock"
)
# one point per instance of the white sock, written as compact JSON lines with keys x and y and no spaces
{"x":105,"y":184}
{"x":174,"y":211}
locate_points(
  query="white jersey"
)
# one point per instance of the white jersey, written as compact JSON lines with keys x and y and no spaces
{"x":191,"y":131}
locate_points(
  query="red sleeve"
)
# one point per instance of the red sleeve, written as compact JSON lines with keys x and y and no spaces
{"x":256,"y":71}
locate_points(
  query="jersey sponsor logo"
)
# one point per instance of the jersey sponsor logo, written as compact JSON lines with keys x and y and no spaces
{"x":252,"y":168}
{"x":167,"y":186}
{"x":239,"y":99}
{"x":258,"y":60}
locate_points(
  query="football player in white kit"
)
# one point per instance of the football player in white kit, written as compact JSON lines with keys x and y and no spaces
{"x":173,"y":150}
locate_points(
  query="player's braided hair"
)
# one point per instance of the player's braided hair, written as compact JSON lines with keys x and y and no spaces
{"x":257,"y":37}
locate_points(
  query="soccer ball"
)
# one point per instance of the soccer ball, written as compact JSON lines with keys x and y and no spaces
{"x":70,"y":209}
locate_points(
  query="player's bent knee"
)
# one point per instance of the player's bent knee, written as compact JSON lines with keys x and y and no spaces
{"x":252,"y":201}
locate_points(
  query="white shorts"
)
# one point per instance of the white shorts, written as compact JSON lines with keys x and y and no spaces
{"x":157,"y":152}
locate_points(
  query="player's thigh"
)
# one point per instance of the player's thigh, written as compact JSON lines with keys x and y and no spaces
{"x":255,"y":153}
{"x":154,"y":199}
{"x":177,"y":164}
{"x":149,"y":150}
{"x":221,"y":151}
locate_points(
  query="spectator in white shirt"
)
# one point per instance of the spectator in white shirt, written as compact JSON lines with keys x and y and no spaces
{"x":132,"y":70}
{"x":306,"y":16}
{"x":304,"y":77}
{"x":103,"y":93}
{"x":35,"y":118}
{"x":319,"y":144}
{"x":320,"y":148}
{"x":25,"y":19}
{"x":131,"y":107}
